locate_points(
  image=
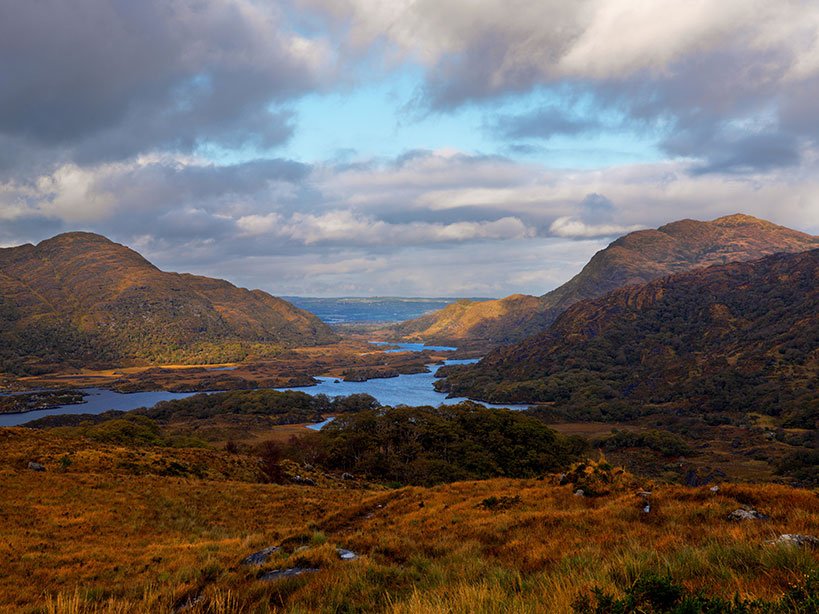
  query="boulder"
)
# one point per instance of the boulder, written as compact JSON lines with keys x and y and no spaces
{"x":302,"y":480}
{"x":276,"y":574}
{"x":794,"y":539}
{"x":35,"y":466}
{"x":260,"y":557}
{"x":746,"y":513}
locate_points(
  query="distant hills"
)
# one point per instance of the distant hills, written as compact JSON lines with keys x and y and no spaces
{"x":81,"y":299}
{"x":635,"y":258}
{"x":734,"y":337}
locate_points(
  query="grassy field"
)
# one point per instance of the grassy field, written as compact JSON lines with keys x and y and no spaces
{"x":112,"y":531}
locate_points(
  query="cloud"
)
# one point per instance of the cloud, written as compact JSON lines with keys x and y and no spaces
{"x":396,"y":224}
{"x":343,"y":227}
{"x":102,"y":80}
{"x":730,"y":86}
{"x":573,"y":228}
{"x":543,"y":124}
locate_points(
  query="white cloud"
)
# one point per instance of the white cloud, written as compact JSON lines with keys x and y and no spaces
{"x":491,"y":225}
{"x":586,"y":38}
{"x":349,"y":228}
{"x":573,"y":228}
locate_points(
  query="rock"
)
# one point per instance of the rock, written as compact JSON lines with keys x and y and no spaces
{"x":714,"y":488}
{"x":794,"y":539}
{"x":693,"y":477}
{"x":346,"y":555}
{"x":35,"y":466}
{"x":276,"y":574}
{"x":746,"y":513}
{"x":306,"y":481}
{"x":579,"y":493}
{"x":562,"y":479}
{"x":189,"y":603}
{"x":260,"y":557}
{"x":347,"y":476}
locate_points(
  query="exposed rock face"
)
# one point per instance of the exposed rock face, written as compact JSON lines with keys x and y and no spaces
{"x":79,"y":297}
{"x":635,"y":258}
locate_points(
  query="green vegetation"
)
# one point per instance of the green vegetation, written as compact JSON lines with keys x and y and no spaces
{"x":653,"y":594}
{"x":287,"y":407}
{"x":729,"y":339}
{"x":38,"y":400}
{"x":667,"y":444}
{"x":426,"y":445}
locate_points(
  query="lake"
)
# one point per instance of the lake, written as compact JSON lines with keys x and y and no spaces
{"x":357,"y":310}
{"x":414,"y":389}
{"x":98,"y":401}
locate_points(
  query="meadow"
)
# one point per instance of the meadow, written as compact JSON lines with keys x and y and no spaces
{"x":118,"y":528}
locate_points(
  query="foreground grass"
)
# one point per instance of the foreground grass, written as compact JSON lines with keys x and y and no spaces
{"x":93,"y":541}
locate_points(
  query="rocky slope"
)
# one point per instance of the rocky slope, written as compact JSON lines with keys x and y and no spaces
{"x":737,"y":337}
{"x":79,"y":298}
{"x":635,"y":258}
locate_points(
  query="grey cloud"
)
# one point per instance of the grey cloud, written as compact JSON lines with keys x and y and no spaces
{"x":542,"y":124}
{"x":597,"y":207}
{"x":672,"y":71}
{"x":106,"y":79}
{"x":402,"y":228}
{"x":752,"y":153}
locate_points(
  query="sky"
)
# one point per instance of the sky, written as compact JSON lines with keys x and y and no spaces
{"x":397,"y":147}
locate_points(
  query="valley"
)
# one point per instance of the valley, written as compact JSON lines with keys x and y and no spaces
{"x":609,"y":447}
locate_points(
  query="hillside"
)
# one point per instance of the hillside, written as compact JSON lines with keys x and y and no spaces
{"x":635,"y":258}
{"x":740,"y":337}
{"x":113,"y":527}
{"x":80,"y":298}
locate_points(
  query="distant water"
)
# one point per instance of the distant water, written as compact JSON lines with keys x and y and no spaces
{"x":357,"y":310}
{"x":413,"y":347}
{"x":98,"y":401}
{"x":414,"y":389}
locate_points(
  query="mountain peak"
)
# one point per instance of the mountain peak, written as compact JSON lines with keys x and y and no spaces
{"x":737,"y":219}
{"x":76,"y":236}
{"x":102,"y":302}
{"x":635,"y":258}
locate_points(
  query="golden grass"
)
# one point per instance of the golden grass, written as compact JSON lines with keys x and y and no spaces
{"x":94,"y":541}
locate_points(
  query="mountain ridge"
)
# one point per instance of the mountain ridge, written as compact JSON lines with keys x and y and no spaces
{"x":740,"y":334}
{"x":82,"y":288}
{"x":637,"y":257}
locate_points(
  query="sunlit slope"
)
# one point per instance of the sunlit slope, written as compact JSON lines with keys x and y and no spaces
{"x":635,"y":258}
{"x":82,"y":298}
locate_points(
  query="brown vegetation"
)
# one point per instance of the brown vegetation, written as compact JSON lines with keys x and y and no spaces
{"x":88,"y":538}
{"x":79,"y":299}
{"x":635,"y":258}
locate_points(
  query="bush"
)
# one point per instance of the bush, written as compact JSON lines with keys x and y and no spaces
{"x":427,"y":445}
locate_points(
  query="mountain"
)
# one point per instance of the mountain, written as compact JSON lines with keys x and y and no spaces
{"x":79,"y":298}
{"x":635,"y":258}
{"x":733,"y":337}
